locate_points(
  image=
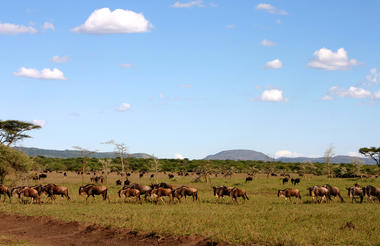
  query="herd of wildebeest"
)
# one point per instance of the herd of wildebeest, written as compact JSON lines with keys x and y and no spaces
{"x":156,"y":192}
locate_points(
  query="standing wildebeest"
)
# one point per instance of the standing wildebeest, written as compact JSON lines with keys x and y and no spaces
{"x":318,"y":191}
{"x":354,"y":192}
{"x":127,"y":182}
{"x":141,"y":174}
{"x":295,"y":181}
{"x":118,"y":182}
{"x":171,"y":176}
{"x":185,"y":191}
{"x":249,"y":178}
{"x":160,"y":192}
{"x":334,"y":191}
{"x":221,"y":191}
{"x":51,"y":190}
{"x":152,"y":176}
{"x":4,"y":190}
{"x":29,"y":192}
{"x":144,"y":189}
{"x":372,"y":191}
{"x":129,"y":192}
{"x":288,"y":193}
{"x":92,"y":190}
{"x":285,"y":180}
{"x":236,"y":192}
{"x":42,"y":176}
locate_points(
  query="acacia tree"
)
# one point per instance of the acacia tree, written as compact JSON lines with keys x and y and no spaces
{"x":371,"y":152}
{"x":12,"y":131}
{"x":12,"y":160}
{"x":122,"y":150}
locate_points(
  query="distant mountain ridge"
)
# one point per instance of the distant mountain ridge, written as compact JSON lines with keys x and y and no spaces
{"x":251,"y":155}
{"x":75,"y":153}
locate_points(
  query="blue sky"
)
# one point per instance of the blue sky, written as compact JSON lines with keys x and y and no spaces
{"x":192,"y":78}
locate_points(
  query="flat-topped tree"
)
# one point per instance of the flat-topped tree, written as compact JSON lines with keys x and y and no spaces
{"x":12,"y":131}
{"x":371,"y":152}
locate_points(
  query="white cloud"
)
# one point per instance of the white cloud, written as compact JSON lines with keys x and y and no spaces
{"x":48,"y":26}
{"x":179,"y":156}
{"x":270,"y":9}
{"x":191,"y":4}
{"x":126,"y":65}
{"x":329,"y":60}
{"x":46,"y":73}
{"x":327,"y":98}
{"x":275,"y":64}
{"x":105,"y":21}
{"x":351,"y":92}
{"x":60,"y":59}
{"x":376,"y":94}
{"x":373,"y":77}
{"x":273,"y":95}
{"x":267,"y":43}
{"x":124,"y":107}
{"x":40,"y":123}
{"x":231,"y":26}
{"x":354,"y":154}
{"x":285,"y":153}
{"x":8,"y":28}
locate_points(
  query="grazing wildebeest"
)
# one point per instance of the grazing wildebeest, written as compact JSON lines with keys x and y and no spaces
{"x":295,"y":181}
{"x":144,"y":189}
{"x":285,"y":180}
{"x":5,"y":191}
{"x":354,"y":192}
{"x":185,"y":191}
{"x":127,"y":182}
{"x":159,"y":192}
{"x":118,"y":182}
{"x":372,"y":191}
{"x":249,"y":178}
{"x":334,"y":191}
{"x":236,"y":192}
{"x":288,"y":193}
{"x":42,"y":176}
{"x":92,"y":190}
{"x":29,"y":192}
{"x":318,"y":191}
{"x":129,"y":192}
{"x":170,"y":176}
{"x":51,"y":190}
{"x":221,"y":191}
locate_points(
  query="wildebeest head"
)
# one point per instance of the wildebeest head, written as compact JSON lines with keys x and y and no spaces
{"x":280,"y":193}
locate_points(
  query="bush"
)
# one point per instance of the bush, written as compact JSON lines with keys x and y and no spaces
{"x":12,"y":160}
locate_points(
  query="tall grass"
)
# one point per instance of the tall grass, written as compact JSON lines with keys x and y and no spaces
{"x":264,"y":219}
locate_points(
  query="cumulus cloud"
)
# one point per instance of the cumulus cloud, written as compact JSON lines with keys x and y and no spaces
{"x":60,"y":59}
{"x":267,"y":43}
{"x":285,"y":153}
{"x":124,"y":107}
{"x":126,"y":65}
{"x":8,"y":28}
{"x":46,"y":73}
{"x":48,"y":26}
{"x":179,"y":156}
{"x":191,"y":4}
{"x":105,"y":21}
{"x":351,"y":92}
{"x":40,"y":123}
{"x":329,"y":60}
{"x":273,"y":95}
{"x":372,"y":78}
{"x":275,"y":64}
{"x":270,"y":9}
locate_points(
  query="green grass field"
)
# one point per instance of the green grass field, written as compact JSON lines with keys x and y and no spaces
{"x":264,"y":219}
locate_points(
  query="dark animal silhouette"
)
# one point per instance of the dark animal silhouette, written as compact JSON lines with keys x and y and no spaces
{"x":126,"y":182}
{"x":152,"y":176}
{"x":170,"y":176}
{"x":295,"y":181}
{"x":285,"y":180}
{"x":42,"y":176}
{"x":249,"y":178}
{"x":118,"y":182}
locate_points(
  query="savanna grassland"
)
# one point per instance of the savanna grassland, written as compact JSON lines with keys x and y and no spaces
{"x":264,"y":219}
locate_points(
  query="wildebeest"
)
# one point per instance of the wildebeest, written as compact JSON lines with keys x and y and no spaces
{"x":118,"y":182}
{"x":236,"y":192}
{"x":127,"y":182}
{"x":354,"y":192}
{"x":17,"y":190}
{"x":141,"y":174}
{"x":288,"y":193}
{"x":5,"y":191}
{"x":159,"y":192}
{"x":221,"y":191}
{"x":29,"y":192}
{"x":92,"y":190}
{"x":334,"y":191}
{"x":152,"y":176}
{"x":249,"y":178}
{"x":372,"y":191}
{"x":295,"y":181}
{"x":129,"y":192}
{"x":65,"y":174}
{"x":285,"y":180}
{"x":144,"y":189}
{"x":170,"y":176}
{"x":185,"y":191}
{"x":51,"y":190}
{"x":42,"y":176}
{"x":318,"y":191}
